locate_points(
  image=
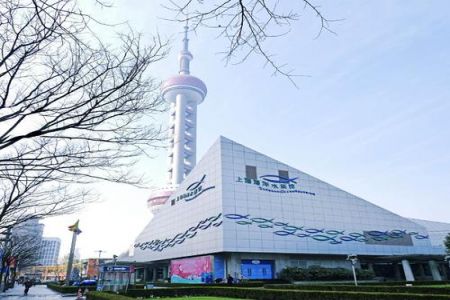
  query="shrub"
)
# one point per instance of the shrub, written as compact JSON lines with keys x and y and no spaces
{"x":321,"y":273}
{"x":136,"y":286}
{"x":403,"y":283}
{"x":352,"y":288}
{"x":62,"y":289}
{"x":67,"y":289}
{"x":273,"y":294}
{"x":365,"y":274}
{"x":241,"y":284}
{"x":106,"y":296}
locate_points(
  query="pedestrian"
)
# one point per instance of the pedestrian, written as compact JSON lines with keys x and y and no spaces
{"x":27,"y":285}
{"x":79,"y":294}
{"x":229,"y":279}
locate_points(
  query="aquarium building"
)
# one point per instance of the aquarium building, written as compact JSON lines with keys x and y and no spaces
{"x":241,"y":212}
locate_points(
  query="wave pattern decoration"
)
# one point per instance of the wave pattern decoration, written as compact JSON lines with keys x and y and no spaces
{"x":332,"y":236}
{"x":180,"y":238}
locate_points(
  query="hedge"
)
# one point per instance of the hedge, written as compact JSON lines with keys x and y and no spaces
{"x":105,"y":296}
{"x":403,"y":283}
{"x":63,"y":289}
{"x":274,"y":294}
{"x":68,"y":289}
{"x":352,"y":288}
{"x":320,"y":273}
{"x":241,"y":284}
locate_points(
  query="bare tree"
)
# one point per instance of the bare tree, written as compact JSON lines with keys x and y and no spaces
{"x":20,"y":250}
{"x":71,"y":107}
{"x":248,"y":24}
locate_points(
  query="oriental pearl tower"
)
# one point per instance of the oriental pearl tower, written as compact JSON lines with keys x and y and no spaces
{"x":183,"y":92}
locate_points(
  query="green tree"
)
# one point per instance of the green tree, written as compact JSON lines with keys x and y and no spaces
{"x":447,"y":243}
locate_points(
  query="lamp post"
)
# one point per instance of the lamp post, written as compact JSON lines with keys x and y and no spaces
{"x":353,"y":258}
{"x":114,"y":269}
{"x":98,"y":260}
{"x":447,"y":259}
{"x":99,"y":255}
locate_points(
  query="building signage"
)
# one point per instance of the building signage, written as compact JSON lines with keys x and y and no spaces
{"x":275,"y":184}
{"x":116,"y":269}
{"x":192,"y":191}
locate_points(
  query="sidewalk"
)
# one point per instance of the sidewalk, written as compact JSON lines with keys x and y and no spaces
{"x":37,"y":292}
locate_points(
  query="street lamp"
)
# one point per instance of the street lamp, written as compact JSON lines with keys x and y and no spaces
{"x":114,"y":270}
{"x":98,"y":260}
{"x":447,"y":259}
{"x":353,"y":258}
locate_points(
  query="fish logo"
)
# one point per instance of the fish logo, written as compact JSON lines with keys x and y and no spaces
{"x":278,"y":179}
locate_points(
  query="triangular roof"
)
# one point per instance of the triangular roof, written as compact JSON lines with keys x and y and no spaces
{"x":218,"y":209}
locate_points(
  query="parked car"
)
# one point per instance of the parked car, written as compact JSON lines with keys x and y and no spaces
{"x":88,"y":282}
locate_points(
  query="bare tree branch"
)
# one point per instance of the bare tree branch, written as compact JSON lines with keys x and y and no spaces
{"x":72,"y":108}
{"x":247,"y":25}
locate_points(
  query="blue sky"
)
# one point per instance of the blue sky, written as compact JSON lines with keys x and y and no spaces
{"x":371,"y":117}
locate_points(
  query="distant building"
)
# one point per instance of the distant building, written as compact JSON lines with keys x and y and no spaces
{"x":29,"y":234}
{"x":49,"y":251}
{"x":31,"y":228}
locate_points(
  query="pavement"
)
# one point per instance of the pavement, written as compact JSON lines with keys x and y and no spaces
{"x":36,"y":292}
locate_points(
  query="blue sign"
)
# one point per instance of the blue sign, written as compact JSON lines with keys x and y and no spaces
{"x":192,"y":191}
{"x":275,"y":184}
{"x":125,"y":269}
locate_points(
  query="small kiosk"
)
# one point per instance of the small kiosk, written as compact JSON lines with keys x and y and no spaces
{"x":115,"y":277}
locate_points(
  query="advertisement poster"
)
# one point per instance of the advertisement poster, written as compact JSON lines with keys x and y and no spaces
{"x":192,"y":270}
{"x":92,"y":270}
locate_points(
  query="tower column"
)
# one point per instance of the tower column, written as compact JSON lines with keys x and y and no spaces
{"x":184,"y":92}
{"x":179,"y":139}
{"x":192,"y":119}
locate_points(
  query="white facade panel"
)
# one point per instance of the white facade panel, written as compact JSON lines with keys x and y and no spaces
{"x":271,"y":214}
{"x":190,"y":222}
{"x":309,"y":216}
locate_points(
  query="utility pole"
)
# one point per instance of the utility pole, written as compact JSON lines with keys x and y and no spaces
{"x":76,"y":231}
{"x":98,"y":261}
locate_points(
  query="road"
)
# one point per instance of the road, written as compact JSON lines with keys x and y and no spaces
{"x":37,"y":292}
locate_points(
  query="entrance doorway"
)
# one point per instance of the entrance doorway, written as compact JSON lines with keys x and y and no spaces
{"x":257,"y":269}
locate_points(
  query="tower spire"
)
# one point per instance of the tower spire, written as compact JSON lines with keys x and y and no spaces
{"x":184,"y":92}
{"x":185,"y":57}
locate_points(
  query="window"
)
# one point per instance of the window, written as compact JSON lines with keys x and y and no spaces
{"x":297,"y":263}
{"x":250,"y":172}
{"x":283,"y":174}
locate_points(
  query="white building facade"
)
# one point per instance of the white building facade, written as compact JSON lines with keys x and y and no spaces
{"x":255,"y":215}
{"x":243,"y":213}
